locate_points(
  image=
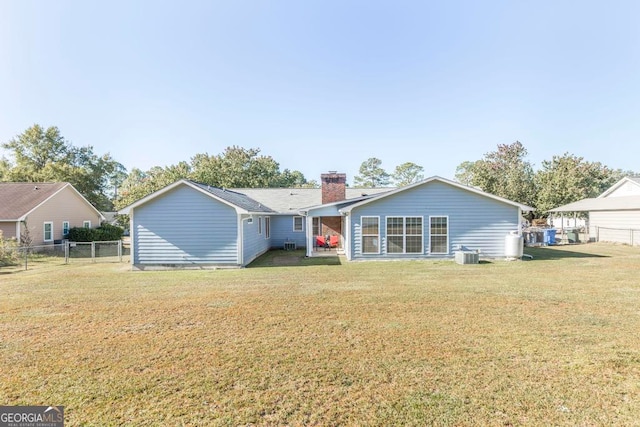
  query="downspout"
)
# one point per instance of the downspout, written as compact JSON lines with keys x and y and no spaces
{"x":240,"y":237}
{"x":133,"y":236}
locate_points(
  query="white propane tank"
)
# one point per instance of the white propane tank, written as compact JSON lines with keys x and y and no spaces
{"x":513,"y":245}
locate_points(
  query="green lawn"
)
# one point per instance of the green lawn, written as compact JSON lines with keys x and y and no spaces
{"x":291,"y":341}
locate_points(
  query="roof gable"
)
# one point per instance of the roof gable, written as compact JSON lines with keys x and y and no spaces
{"x":444,"y":181}
{"x":627,"y":180}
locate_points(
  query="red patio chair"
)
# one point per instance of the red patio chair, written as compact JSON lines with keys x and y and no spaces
{"x":333,"y":242}
{"x":320,"y":242}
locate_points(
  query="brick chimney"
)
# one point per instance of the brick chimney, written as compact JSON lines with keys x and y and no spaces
{"x":333,"y":186}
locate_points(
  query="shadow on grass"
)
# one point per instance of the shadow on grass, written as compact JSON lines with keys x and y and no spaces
{"x":281,"y":258}
{"x":549,"y":253}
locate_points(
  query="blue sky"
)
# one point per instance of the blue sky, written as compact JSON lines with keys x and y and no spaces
{"x":325,"y":85}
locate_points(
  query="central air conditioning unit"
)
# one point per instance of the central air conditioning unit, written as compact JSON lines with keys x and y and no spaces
{"x":467,"y":257}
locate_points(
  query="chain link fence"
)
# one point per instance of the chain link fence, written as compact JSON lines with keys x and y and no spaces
{"x":32,"y":257}
{"x":628,"y":236}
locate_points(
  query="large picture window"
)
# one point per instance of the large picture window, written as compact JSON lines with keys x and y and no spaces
{"x":439,"y":234}
{"x":404,"y":235}
{"x":370,"y":235}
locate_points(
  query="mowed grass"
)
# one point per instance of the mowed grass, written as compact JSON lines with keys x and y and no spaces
{"x":291,"y":341}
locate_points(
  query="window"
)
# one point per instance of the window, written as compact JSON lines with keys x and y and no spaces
{"x":48,"y":231}
{"x":316,"y":226}
{"x":267,"y":227}
{"x":86,"y":224}
{"x":370,"y":235}
{"x":404,"y":235}
{"x":439,"y":233}
{"x":65,"y":228}
{"x":297,"y":223}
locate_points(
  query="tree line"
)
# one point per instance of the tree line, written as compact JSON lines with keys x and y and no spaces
{"x":563,"y":179}
{"x":44,"y":155}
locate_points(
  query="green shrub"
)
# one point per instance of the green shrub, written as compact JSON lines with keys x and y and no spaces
{"x":105,"y":232}
{"x":8,"y":253}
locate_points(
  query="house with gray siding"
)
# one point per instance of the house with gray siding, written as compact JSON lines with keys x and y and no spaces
{"x":190,"y":224}
{"x":430,"y":219}
{"x":613,"y":216}
{"x":187,"y":223}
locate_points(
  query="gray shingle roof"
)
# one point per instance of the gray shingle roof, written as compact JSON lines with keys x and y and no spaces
{"x":236,"y":198}
{"x":19,"y":198}
{"x":288,"y":200}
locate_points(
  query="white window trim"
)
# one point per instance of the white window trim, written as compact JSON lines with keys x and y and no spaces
{"x":362,"y":235}
{"x":316,"y":224}
{"x":431,"y":251}
{"x":44,"y":231}
{"x":301,"y":219}
{"x":267,"y":227}
{"x":67,"y":225}
{"x":404,"y":234}
{"x":86,"y":222}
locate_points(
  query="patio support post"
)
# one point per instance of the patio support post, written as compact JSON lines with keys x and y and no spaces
{"x":309,"y":236}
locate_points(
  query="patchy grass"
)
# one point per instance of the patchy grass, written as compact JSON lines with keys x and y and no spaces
{"x":552,"y":341}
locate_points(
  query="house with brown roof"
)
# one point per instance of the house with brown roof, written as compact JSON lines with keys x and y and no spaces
{"x":46,"y":209}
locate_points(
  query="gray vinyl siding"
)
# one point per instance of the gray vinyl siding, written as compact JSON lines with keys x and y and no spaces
{"x":615,"y":226}
{"x":254,"y":244}
{"x":185,"y":226}
{"x":475,"y":221}
{"x":282,"y":230}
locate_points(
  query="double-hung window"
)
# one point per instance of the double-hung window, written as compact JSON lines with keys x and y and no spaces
{"x":439,"y":234}
{"x":86,"y":224}
{"x":259,"y":225}
{"x":297,"y":223}
{"x":48,"y":231}
{"x":404,"y":235}
{"x":370,"y":234}
{"x":65,"y":228}
{"x":316,"y":225}
{"x":267,"y":227}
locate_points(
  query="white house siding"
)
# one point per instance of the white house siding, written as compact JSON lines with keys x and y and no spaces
{"x":475,"y":221}
{"x":626,"y":189}
{"x":185,"y":226}
{"x":254,"y":243}
{"x":615,"y":226}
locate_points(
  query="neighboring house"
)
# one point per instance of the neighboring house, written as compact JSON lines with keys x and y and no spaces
{"x":187,"y":223}
{"x":47,"y":210}
{"x":614,"y":216}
